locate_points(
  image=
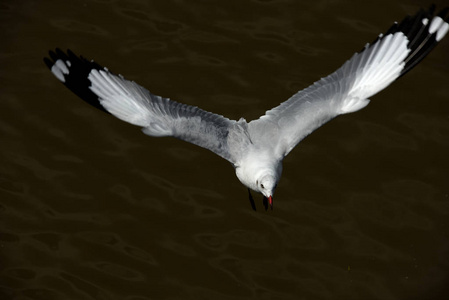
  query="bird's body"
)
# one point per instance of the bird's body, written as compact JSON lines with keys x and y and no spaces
{"x":256,"y":149}
{"x":252,"y":168}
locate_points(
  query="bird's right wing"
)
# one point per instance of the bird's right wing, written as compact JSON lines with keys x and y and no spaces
{"x":134,"y":104}
{"x":347,"y":90}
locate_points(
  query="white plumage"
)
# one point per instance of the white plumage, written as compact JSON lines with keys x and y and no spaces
{"x":256,"y":149}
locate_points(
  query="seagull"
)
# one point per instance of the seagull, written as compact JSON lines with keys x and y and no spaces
{"x":256,"y":149}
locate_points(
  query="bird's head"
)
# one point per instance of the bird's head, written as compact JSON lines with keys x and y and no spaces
{"x":266,"y":185}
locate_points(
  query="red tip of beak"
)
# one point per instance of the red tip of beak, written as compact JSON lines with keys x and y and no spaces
{"x":270,"y":202}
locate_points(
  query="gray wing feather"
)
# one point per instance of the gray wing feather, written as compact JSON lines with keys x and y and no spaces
{"x":344,"y":91}
{"x":160,"y":116}
{"x":347,"y":90}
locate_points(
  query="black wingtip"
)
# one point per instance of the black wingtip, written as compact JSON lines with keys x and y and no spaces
{"x":417,"y":30}
{"x":423,"y":40}
{"x":48,"y":62}
{"x":76,"y":79}
{"x":443,"y":12}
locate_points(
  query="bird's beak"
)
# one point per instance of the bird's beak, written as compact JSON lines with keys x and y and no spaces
{"x":270,"y":202}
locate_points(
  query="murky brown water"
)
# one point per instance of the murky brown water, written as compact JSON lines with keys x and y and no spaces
{"x":90,"y":208}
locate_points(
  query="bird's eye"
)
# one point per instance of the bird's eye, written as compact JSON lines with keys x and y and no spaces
{"x":261,"y":185}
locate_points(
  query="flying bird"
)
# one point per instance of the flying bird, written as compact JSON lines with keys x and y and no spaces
{"x":256,"y":149}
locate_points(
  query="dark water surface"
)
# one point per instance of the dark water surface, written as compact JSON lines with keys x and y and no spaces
{"x":90,"y":208}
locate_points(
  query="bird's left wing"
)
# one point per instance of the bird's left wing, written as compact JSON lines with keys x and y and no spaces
{"x":347,"y":90}
{"x":134,"y":104}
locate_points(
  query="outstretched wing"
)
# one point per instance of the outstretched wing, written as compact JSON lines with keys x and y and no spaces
{"x":134,"y":104}
{"x":347,"y":90}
